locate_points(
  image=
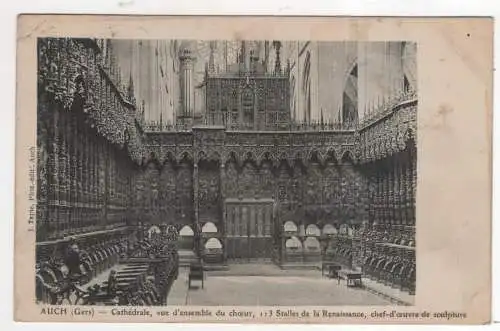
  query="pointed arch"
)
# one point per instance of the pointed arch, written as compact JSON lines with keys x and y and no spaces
{"x":152,"y":161}
{"x":201,"y":156}
{"x":331,"y":155}
{"x":347,"y":157}
{"x":185,"y":157}
{"x":214,"y":156}
{"x":249,"y":156}
{"x":233,"y":157}
{"x":169,"y":158}
{"x":315,"y":156}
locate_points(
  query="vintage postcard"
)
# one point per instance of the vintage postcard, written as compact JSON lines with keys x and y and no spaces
{"x":253,"y":169}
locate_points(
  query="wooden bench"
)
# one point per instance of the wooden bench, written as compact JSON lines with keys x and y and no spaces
{"x":196,"y":273}
{"x":353,"y":278}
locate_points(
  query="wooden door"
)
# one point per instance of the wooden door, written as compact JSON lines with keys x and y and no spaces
{"x":249,"y":232}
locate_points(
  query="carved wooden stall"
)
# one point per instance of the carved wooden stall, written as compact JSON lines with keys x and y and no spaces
{"x":246,"y":182}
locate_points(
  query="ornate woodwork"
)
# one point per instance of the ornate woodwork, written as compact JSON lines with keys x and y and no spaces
{"x":99,"y":167}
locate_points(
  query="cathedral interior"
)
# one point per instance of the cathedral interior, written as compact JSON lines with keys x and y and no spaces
{"x":153,"y":153}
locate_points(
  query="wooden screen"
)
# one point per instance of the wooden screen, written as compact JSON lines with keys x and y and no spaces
{"x":248,"y":229}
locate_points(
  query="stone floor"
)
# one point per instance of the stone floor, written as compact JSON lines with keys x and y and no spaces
{"x":267,"y":285}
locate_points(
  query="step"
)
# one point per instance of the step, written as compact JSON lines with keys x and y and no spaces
{"x":135,"y":268}
{"x":125,"y":272}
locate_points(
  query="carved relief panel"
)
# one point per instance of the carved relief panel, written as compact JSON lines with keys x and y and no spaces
{"x":209,"y":192}
{"x":231,"y":180}
{"x":168,"y":192}
{"x":184,"y":191}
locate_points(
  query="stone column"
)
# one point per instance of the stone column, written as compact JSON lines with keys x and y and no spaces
{"x":187,"y":59}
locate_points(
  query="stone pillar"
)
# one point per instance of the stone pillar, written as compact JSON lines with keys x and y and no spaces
{"x":187,"y":85}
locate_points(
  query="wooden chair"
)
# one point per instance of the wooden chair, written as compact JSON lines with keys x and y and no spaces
{"x":354,"y":279}
{"x":196,"y":273}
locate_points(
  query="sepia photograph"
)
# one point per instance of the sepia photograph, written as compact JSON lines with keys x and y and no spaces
{"x":253,"y":170}
{"x":223,"y":172}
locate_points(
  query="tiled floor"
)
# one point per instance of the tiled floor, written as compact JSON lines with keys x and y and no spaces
{"x":250,"y":285}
